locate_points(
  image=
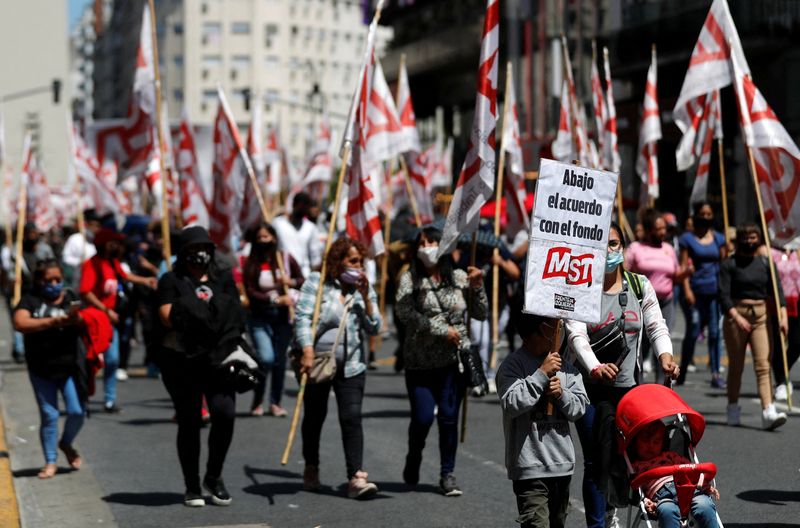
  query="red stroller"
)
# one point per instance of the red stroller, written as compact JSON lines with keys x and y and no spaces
{"x":685,"y":426}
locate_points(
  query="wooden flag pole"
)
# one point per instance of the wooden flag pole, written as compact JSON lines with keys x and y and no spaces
{"x":318,"y":302}
{"x":387,"y":227}
{"x":498,"y":196}
{"x":772,"y":273}
{"x":411,"y":198}
{"x":22,"y":206}
{"x":161,"y":144}
{"x":723,"y":189}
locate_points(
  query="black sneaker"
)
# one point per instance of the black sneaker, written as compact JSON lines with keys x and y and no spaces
{"x":193,"y":499}
{"x":448,"y":486}
{"x":219,"y":495}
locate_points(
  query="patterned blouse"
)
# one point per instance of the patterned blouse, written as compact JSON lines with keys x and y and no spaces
{"x":428,"y":309}
{"x":358,"y":322}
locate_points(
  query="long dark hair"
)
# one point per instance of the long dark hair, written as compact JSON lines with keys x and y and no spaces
{"x":252,"y":265}
{"x":445,"y":263}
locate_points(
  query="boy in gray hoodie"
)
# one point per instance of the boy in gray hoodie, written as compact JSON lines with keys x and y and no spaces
{"x":540,"y":457}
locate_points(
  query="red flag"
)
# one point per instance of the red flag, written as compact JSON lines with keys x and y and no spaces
{"x":405,"y":107}
{"x":650,"y":133}
{"x":703,"y":148}
{"x":475,"y":184}
{"x":251,"y":213}
{"x":610,"y":150}
{"x":228,"y":175}
{"x":194,"y":207}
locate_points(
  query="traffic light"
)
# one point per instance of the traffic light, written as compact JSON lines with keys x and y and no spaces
{"x":56,"y":90}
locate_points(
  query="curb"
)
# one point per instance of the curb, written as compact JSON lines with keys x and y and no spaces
{"x":9,"y":508}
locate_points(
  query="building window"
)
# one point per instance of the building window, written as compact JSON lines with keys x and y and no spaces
{"x":272,"y":96}
{"x":177,"y":60}
{"x":177,"y":29}
{"x":177,"y":94}
{"x":270,"y":34}
{"x":272,"y":63}
{"x":240,"y":62}
{"x":212,"y":32}
{"x":212,"y":61}
{"x":240,"y":28}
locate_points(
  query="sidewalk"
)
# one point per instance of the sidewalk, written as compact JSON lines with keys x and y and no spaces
{"x":72,"y":499}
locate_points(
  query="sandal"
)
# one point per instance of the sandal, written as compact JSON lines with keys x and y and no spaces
{"x":72,"y":455}
{"x":48,"y":472}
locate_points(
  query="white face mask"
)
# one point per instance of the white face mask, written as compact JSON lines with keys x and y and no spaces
{"x":428,"y":255}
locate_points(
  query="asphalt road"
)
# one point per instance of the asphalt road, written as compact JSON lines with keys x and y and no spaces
{"x":131,"y":463}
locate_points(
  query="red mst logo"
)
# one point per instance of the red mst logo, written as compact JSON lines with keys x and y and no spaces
{"x":575,"y":269}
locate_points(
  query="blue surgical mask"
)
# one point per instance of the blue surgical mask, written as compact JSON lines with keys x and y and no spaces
{"x":350,"y":275}
{"x":613,"y":260}
{"x":51,"y":291}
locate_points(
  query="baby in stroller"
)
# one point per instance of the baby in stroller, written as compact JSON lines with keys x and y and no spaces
{"x":660,"y":494}
{"x":658,"y":435}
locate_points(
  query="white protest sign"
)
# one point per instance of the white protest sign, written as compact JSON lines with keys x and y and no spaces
{"x":568,"y":241}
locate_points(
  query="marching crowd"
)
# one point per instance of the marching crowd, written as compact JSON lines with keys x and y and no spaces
{"x":216,"y":324}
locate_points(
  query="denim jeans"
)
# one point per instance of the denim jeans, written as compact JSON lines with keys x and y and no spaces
{"x":46,"y":392}
{"x":271,"y":342}
{"x":427,"y":389}
{"x":704,"y":313}
{"x":111,"y":358}
{"x":668,"y":513}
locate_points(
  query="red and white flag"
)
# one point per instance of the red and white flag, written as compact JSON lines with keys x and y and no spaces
{"x":600,"y":111}
{"x":386,"y":138}
{"x":611,"y":159}
{"x":563,"y":146}
{"x":439,"y":161}
{"x":228,"y":172}
{"x":194,"y":207}
{"x":777,"y":163}
{"x":251,"y":213}
{"x":514,"y":186}
{"x":408,"y":120}
{"x":650,"y":133}
{"x":475,"y":185}
{"x":40,"y":208}
{"x":709,"y":129}
{"x":319,"y":168}
{"x":273,"y":154}
{"x":419,"y":177}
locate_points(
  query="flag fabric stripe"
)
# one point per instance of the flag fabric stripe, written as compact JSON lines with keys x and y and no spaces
{"x":650,"y":133}
{"x":194,"y":207}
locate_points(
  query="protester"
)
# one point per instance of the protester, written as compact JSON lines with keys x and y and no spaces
{"x":432,"y":301}
{"x":49,"y":319}
{"x":703,"y":249}
{"x":79,"y":248}
{"x":269,"y":325}
{"x":745,"y":289}
{"x":656,"y":260}
{"x":199,"y":306}
{"x":661,"y":497}
{"x":99,"y":287}
{"x":539,"y":454}
{"x":348,"y":313}
{"x":630,"y":307}
{"x":787,"y":264}
{"x":299,"y":236}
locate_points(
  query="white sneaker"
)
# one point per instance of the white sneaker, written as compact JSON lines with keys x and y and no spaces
{"x":121,"y":374}
{"x":612,"y":521}
{"x":772,"y":419}
{"x":722,"y":369}
{"x":492,"y":386}
{"x":781,"y":393}
{"x":734,"y":414}
{"x":691,"y":368}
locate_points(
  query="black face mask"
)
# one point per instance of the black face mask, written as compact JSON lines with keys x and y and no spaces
{"x":29,"y":245}
{"x":701,"y":224}
{"x":199,"y":259}
{"x":748,"y":248}
{"x":263,"y":248}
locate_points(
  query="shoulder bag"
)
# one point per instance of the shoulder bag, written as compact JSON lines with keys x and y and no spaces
{"x":324,"y":367}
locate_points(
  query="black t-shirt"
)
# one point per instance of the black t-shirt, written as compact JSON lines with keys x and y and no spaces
{"x":169,"y":289}
{"x":51,"y":353}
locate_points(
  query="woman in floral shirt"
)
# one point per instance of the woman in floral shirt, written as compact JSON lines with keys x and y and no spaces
{"x":432,"y":301}
{"x":787,"y":263}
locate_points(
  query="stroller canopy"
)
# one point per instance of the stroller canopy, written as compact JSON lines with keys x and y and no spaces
{"x":650,"y":402}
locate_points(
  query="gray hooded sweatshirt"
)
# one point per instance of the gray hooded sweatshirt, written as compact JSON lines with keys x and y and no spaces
{"x":537,"y":445}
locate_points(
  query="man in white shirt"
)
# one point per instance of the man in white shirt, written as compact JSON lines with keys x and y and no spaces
{"x":299,"y":236}
{"x":78,"y":249}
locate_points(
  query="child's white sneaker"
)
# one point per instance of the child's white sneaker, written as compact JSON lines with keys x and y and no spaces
{"x":781,"y":393}
{"x":772,"y":419}
{"x":734,"y":414}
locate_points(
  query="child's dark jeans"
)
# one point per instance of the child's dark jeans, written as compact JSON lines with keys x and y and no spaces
{"x":542,"y":502}
{"x":703,"y":508}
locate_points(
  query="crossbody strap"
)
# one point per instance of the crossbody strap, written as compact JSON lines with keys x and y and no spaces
{"x":347,"y":305}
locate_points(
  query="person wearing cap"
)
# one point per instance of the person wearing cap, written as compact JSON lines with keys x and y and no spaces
{"x":203,"y":323}
{"x":99,"y":285}
{"x":79,"y":248}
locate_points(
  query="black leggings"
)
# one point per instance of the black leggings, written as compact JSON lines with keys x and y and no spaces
{"x":349,"y":395}
{"x":187,"y":383}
